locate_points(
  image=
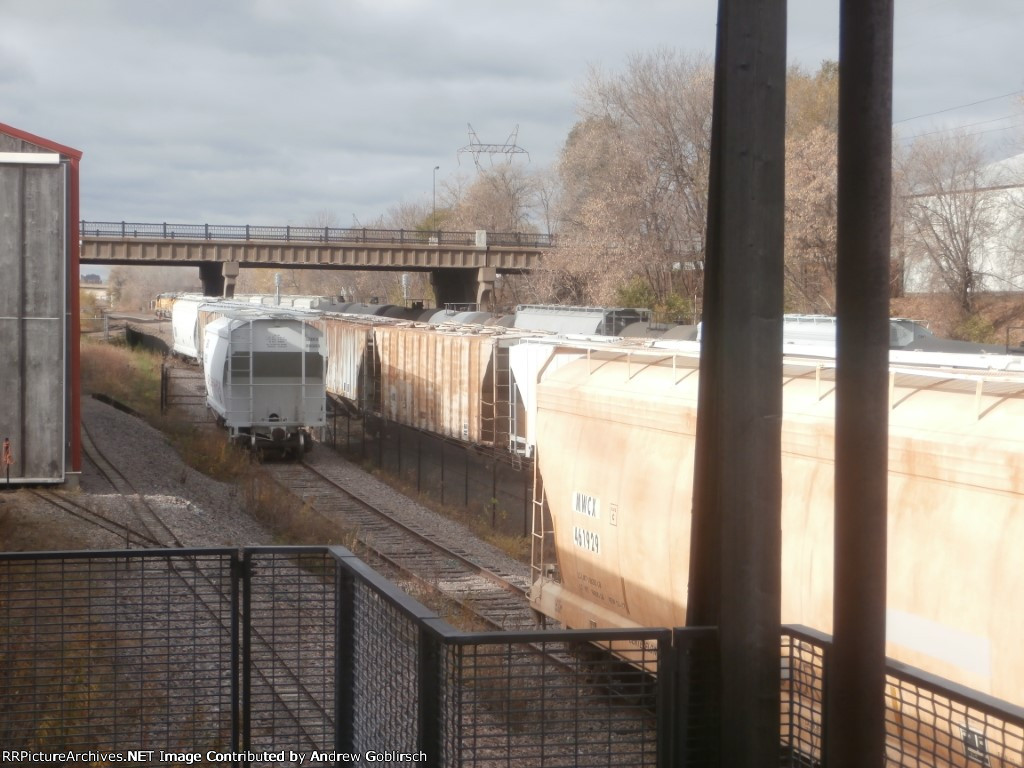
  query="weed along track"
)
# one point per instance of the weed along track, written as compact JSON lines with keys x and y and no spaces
{"x":429,"y":558}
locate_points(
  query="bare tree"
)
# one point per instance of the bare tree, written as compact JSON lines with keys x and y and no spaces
{"x":634,"y":173}
{"x":811,"y":198}
{"x":499,"y":199}
{"x":134,"y":287}
{"x":812,"y":100}
{"x":951,"y":217}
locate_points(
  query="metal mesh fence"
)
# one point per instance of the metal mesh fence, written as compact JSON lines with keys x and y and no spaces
{"x":308,"y":649}
{"x":112,"y":651}
{"x":553,"y":699}
{"x":386,"y":678}
{"x":803,"y":695}
{"x":929,"y":721}
{"x":289,"y":620}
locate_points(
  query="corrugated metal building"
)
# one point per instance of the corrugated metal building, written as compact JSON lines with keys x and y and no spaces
{"x":39,"y":308}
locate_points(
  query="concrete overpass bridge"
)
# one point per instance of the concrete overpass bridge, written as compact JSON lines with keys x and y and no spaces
{"x":462,"y":265}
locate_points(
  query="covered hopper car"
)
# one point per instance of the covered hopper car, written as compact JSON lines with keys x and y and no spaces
{"x":264,"y":375}
{"x":615,"y":436}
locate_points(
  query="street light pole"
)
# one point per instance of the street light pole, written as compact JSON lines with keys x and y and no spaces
{"x":433,"y":215}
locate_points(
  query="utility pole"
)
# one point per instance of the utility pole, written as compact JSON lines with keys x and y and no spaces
{"x":433,"y":214}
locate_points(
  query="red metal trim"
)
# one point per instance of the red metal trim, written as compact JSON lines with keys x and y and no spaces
{"x":39,"y":141}
{"x":75,"y":341}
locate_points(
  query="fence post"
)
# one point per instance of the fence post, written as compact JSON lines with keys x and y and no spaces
{"x":344,"y":659}
{"x":430,"y":681}
{"x":691,"y":698}
{"x":245,"y":700}
{"x":240,"y":657}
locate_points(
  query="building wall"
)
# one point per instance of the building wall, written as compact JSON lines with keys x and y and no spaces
{"x":35,"y":314}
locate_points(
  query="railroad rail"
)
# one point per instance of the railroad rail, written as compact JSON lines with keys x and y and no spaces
{"x":155,"y":529}
{"x":486,"y":591}
{"x":279,"y":679}
{"x":290,"y":234}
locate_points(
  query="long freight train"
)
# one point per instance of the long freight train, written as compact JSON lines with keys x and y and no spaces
{"x":611,"y":423}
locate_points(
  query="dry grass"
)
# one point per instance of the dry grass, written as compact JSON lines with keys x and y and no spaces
{"x":289,"y":518}
{"x":130,"y":377}
{"x":994,"y":316}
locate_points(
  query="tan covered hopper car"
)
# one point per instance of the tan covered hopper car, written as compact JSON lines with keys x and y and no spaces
{"x":615,"y":437}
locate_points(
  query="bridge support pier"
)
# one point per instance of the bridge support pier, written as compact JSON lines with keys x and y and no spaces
{"x":464,"y":286}
{"x":218,"y":278}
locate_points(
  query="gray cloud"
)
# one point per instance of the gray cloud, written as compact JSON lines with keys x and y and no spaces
{"x":267,"y":112}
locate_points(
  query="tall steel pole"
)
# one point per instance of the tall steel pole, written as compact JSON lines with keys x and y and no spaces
{"x":855,"y":700}
{"x":735,"y":552}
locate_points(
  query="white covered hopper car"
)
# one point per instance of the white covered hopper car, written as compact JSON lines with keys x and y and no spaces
{"x":265,"y":377}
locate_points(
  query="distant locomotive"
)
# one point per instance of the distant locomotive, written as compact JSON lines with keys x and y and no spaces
{"x":264,"y":373}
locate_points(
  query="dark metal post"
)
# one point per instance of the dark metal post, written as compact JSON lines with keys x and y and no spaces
{"x":431,"y":690}
{"x":344,"y":660}
{"x":735,"y":551}
{"x":855,"y":712}
{"x":246,"y":703}
{"x":239,"y":652}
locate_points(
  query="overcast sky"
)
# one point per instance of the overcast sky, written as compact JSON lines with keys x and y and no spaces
{"x":273,"y":111}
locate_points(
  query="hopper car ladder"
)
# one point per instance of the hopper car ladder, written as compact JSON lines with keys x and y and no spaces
{"x":539,"y":533}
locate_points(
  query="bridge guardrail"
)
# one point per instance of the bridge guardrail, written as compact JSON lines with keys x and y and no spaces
{"x":259,"y":232}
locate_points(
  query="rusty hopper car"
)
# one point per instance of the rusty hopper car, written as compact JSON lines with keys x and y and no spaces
{"x":441,"y":382}
{"x":451,"y":380}
{"x":615,"y":436}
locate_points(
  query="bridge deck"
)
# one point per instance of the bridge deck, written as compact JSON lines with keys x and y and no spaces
{"x":321,"y":247}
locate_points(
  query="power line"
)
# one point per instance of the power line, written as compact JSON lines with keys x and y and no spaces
{"x":970,"y":125}
{"x":959,"y":106}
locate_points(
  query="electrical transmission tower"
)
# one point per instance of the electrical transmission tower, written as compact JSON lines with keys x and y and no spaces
{"x":477,"y":147}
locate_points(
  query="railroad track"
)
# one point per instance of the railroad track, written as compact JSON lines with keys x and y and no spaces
{"x":156,"y":530}
{"x":131,"y":536}
{"x":424,"y":557}
{"x":289,"y":691}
